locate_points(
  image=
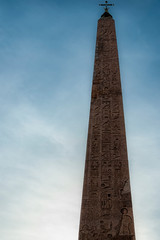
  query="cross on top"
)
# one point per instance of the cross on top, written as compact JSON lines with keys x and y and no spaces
{"x":106,"y":4}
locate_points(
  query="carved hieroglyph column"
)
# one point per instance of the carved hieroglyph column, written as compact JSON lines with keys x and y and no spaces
{"x":106,"y":212}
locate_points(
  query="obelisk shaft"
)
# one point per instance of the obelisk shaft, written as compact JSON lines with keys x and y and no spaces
{"x":106,"y":211}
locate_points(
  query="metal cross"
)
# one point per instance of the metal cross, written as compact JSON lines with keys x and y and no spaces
{"x":106,"y":4}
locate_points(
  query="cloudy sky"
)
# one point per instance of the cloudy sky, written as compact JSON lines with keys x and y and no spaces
{"x":46,"y":66}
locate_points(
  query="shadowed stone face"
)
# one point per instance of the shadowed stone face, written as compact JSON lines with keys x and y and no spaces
{"x":106,"y":212}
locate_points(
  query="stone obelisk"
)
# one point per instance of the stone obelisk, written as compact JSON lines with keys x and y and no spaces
{"x":106,"y":212}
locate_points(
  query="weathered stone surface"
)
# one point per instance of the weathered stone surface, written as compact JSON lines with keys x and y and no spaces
{"x":106,"y":212}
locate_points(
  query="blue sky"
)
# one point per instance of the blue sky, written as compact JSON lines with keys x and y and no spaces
{"x":46,"y":67}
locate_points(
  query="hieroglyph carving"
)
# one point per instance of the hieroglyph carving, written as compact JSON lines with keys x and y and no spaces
{"x":106,"y":207}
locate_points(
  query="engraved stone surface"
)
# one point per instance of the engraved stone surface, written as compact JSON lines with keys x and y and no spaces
{"x":106,"y":212}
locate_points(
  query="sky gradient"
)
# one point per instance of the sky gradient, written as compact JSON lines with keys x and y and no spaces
{"x":46,"y":67}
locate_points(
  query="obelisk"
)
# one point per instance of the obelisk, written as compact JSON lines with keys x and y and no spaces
{"x":106,"y":212}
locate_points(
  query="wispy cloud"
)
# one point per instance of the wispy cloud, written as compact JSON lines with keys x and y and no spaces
{"x":46,"y":63}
